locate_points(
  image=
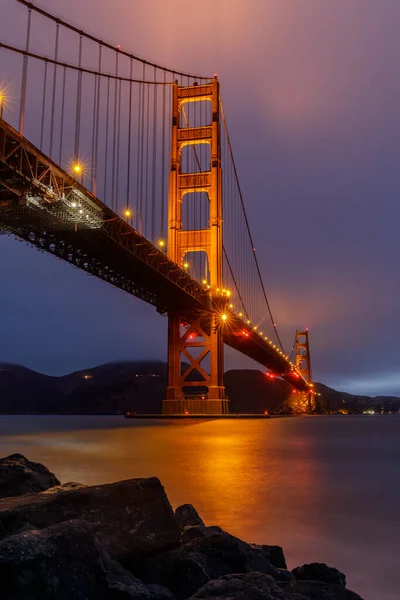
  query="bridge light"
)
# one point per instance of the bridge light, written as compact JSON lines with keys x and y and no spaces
{"x":240,"y":314}
{"x":73,"y":204}
{"x":127,"y":213}
{"x":161,"y":243}
{"x":224,"y":317}
{"x":185,"y":265}
{"x":77,"y":168}
{"x":204,"y":281}
{"x":248,"y":321}
{"x":80,"y":211}
{"x":4,"y":98}
{"x":228,"y":293}
{"x":231,"y":306}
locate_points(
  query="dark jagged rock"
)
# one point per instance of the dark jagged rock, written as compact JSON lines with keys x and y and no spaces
{"x":192,"y":532}
{"x":130,"y":518}
{"x":65,"y":487}
{"x":320,"y":572}
{"x":122,"y":585}
{"x":316,"y":590}
{"x":202,"y":559}
{"x":66,"y":562}
{"x":249,"y":586}
{"x":19,"y":476}
{"x":61,"y":562}
{"x":187,"y":516}
{"x":274,"y":554}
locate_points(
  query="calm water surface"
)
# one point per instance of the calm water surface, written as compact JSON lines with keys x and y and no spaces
{"x":325,"y":488}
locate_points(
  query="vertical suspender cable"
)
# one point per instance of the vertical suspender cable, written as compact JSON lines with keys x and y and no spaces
{"x":114,"y":131}
{"x":95,"y":94}
{"x":43,"y":106}
{"x":24,"y":75}
{"x":53,"y":102}
{"x":146,"y":208}
{"x":128,"y":179}
{"x":141,"y":138}
{"x":154,"y":161}
{"x":62,"y":116}
{"x":163,"y":151}
{"x":78,"y":103}
{"x":96,"y":143}
{"x":106,"y":141}
{"x":118,"y":147}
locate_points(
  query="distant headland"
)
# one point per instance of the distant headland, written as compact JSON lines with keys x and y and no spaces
{"x":120,"y":387}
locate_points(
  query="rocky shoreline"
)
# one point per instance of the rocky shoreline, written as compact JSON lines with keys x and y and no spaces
{"x":123,"y":541}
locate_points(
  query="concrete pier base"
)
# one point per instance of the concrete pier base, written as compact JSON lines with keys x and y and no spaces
{"x":195,"y":407}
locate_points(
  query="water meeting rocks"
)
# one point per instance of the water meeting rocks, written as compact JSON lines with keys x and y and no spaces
{"x":123,"y":541}
{"x":19,"y":476}
{"x":129,"y":518}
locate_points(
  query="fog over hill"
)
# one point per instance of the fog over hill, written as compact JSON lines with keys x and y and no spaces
{"x":139,"y":387}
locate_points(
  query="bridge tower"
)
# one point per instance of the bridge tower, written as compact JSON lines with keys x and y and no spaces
{"x":196,"y":339}
{"x":304,"y":402}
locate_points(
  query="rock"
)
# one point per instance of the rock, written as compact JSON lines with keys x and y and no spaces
{"x":160,"y":592}
{"x":249,"y":586}
{"x":122,"y":585}
{"x":320,"y":572}
{"x":65,"y":487}
{"x":187,"y":516}
{"x":130,"y":518}
{"x":202,"y":559}
{"x":192,"y":532}
{"x":316,"y":590}
{"x":274,"y":554}
{"x":66,"y":562}
{"x":62,"y":562}
{"x":19,"y":476}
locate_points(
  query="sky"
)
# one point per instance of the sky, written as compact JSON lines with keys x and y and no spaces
{"x":311,"y":90}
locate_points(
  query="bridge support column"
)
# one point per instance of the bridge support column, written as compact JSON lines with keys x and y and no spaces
{"x":303,"y":402}
{"x":195,"y":368}
{"x":197,"y":387}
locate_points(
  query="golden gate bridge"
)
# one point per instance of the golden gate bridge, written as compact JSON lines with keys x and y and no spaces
{"x":125,"y":169}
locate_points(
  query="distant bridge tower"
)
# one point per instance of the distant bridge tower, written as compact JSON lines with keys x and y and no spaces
{"x":195,"y":339}
{"x":303,"y":402}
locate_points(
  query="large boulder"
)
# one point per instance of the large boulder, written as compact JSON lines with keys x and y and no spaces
{"x":274,"y":554}
{"x":320,"y":572}
{"x":202,"y":559}
{"x":130,"y":518}
{"x":249,"y":586}
{"x":65,"y":562}
{"x":316,"y":590}
{"x":19,"y":476}
{"x":187,"y":516}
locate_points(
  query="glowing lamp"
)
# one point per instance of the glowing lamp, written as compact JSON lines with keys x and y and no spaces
{"x":128,"y":213}
{"x":185,"y":265}
{"x":224,"y":317}
{"x":161,"y":243}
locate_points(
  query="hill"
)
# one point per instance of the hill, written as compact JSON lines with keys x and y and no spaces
{"x":139,"y":387}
